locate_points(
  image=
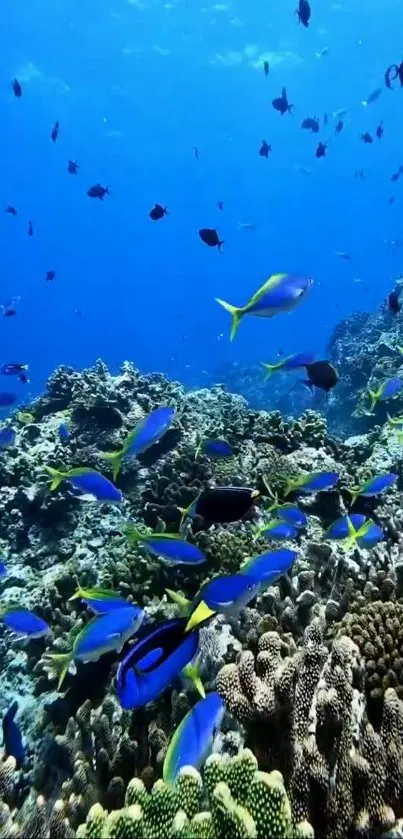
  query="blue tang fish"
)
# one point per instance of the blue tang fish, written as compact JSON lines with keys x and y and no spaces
{"x":154,"y":662}
{"x":291,"y":514}
{"x":91,"y":484}
{"x":343,"y":527}
{"x":314,"y":482}
{"x":64,"y":433}
{"x":389,"y":389}
{"x":103,"y":634}
{"x":24,"y":623}
{"x":7,"y":399}
{"x":102,"y":600}
{"x":193,"y":739}
{"x":290,"y":362}
{"x":227,"y":594}
{"x":147,"y":433}
{"x":214,"y":448}
{"x":269,"y":566}
{"x":7,"y":437}
{"x":13,"y":368}
{"x":280,"y":293}
{"x":12,"y":737}
{"x":168,"y":546}
{"x":368,"y":536}
{"x":374,"y":486}
{"x":276,"y":530}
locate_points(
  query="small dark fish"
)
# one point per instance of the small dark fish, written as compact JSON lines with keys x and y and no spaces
{"x":157,"y":212}
{"x":13,"y":368}
{"x":98,"y":191}
{"x":321,"y":374}
{"x":392,"y":200}
{"x":303,"y":12}
{"x":379,"y":131}
{"x":50,"y":276}
{"x":220,"y":205}
{"x":55,"y":131}
{"x":321,"y":150}
{"x":8,"y":311}
{"x":7,"y":399}
{"x":394,"y":71}
{"x":311,"y":124}
{"x":210,"y":237}
{"x":281,"y":104}
{"x":12,"y":739}
{"x":73,"y":167}
{"x":339,"y":126}
{"x":11,"y":210}
{"x":17,"y":89}
{"x":366,"y":138}
{"x":266,"y":68}
{"x":221,"y":505}
{"x":395,"y":177}
{"x":373,"y":96}
{"x":359,"y":175}
{"x":265,"y":149}
{"x":196,"y":152}
{"x":394,"y":304}
{"x":30,"y":228}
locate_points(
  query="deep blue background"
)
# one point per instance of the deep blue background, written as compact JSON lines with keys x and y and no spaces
{"x":135,"y":87}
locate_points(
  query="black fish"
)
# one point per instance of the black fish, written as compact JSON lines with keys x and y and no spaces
{"x":394,"y":304}
{"x":50,"y":276}
{"x":366,"y":137}
{"x":72,"y":167}
{"x":157,"y":212}
{"x":210,"y":237}
{"x":17,"y":89}
{"x":311,"y":124}
{"x":55,"y":131}
{"x":98,"y":191}
{"x":220,"y":205}
{"x":11,"y":210}
{"x":339,"y":126}
{"x":321,"y":150}
{"x":196,"y":152}
{"x":395,"y":176}
{"x":359,"y":175}
{"x":321,"y":374}
{"x":393,"y":72}
{"x":30,"y":228}
{"x":13,"y":368}
{"x":392,"y":200}
{"x":281,"y":103}
{"x":303,"y":12}
{"x":222,"y":505}
{"x":264,"y":149}
{"x":379,"y":131}
{"x":266,"y":68}
{"x":13,"y":745}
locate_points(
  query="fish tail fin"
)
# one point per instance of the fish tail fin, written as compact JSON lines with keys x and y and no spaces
{"x":268,"y":370}
{"x":133,"y":533}
{"x":56,"y":475}
{"x":77,"y":594}
{"x":220,"y":244}
{"x":235,"y":313}
{"x":352,"y":534}
{"x":56,"y":666}
{"x":354,"y":492}
{"x":289,"y":488}
{"x":115,"y":459}
{"x":192,"y":671}
{"x":180,"y":600}
{"x":374,"y":398}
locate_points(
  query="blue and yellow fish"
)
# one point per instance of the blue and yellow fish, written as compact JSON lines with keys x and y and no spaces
{"x":194,"y":737}
{"x":147,"y":433}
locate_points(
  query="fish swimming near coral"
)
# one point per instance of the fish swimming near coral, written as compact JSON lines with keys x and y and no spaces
{"x":12,"y":737}
{"x":374,"y":486}
{"x":168,"y":546}
{"x":313,"y":482}
{"x":357,"y":530}
{"x":220,"y":505}
{"x":88,"y":482}
{"x":290,"y":362}
{"x":193,"y":739}
{"x":64,"y":433}
{"x":269,"y":566}
{"x":154,"y":661}
{"x":101,"y":600}
{"x":280,"y":293}
{"x":24,"y":623}
{"x":147,"y":433}
{"x":105,"y":633}
{"x":214,"y":448}
{"x":290,"y":513}
{"x":7,"y":437}
{"x":276,"y":530}
{"x":389,"y":389}
{"x":226,"y":594}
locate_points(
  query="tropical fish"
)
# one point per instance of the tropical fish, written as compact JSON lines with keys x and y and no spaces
{"x":193,"y":739}
{"x":168,"y":546}
{"x":7,"y":399}
{"x":313,"y":482}
{"x":64,"y":433}
{"x":303,"y":12}
{"x":211,"y":238}
{"x":281,"y":103}
{"x":158,"y":212}
{"x":98,"y":191}
{"x":7,"y":437}
{"x":13,"y":368}
{"x":372,"y":97}
{"x":221,"y":505}
{"x":321,"y":150}
{"x":3,"y":568}
{"x":276,"y":530}
{"x":24,"y":622}
{"x":73,"y":167}
{"x":101,"y":600}
{"x":289,"y":513}
{"x":374,"y":486}
{"x":368,"y":536}
{"x":192,"y":673}
{"x":269,"y":566}
{"x":280,"y":293}
{"x":103,"y":634}
{"x":321,"y":374}
{"x":89,"y":482}
{"x":227,"y":594}
{"x":12,"y":738}
{"x":343,"y":527}
{"x":291,"y":362}
{"x":154,"y":661}
{"x":357,"y":529}
{"x":389,"y":389}
{"x":55,"y":131}
{"x":214,"y":448}
{"x":147,"y":433}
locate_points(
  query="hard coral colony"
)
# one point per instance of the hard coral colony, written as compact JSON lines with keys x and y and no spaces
{"x":201,"y":600}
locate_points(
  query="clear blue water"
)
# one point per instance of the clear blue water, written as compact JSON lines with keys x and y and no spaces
{"x":135,"y":85}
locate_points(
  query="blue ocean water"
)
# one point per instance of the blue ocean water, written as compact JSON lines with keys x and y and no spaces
{"x":136,"y":86}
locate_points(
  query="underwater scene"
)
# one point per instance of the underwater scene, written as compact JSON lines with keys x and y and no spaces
{"x":201,"y":420}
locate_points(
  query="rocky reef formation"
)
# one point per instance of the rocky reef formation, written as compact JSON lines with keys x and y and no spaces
{"x":315,"y":662}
